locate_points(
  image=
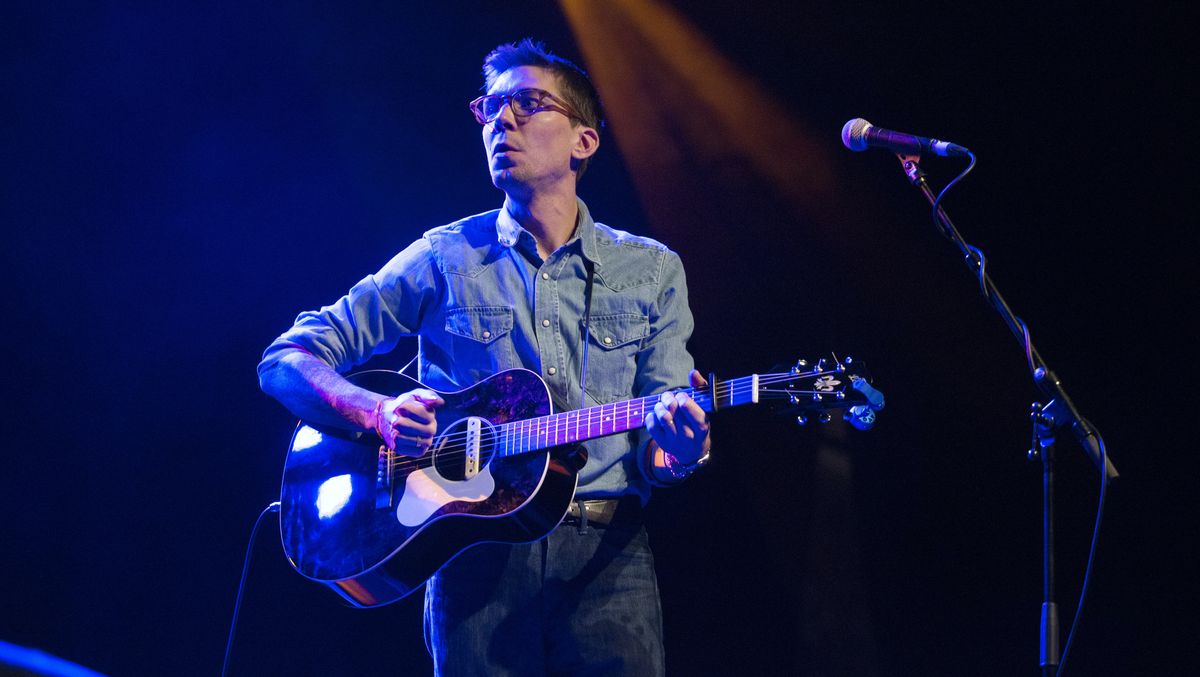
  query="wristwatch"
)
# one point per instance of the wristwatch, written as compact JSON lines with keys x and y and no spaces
{"x":681,"y":471}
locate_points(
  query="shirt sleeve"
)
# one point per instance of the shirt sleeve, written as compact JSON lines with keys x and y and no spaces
{"x":664,"y":361}
{"x":370,"y":319}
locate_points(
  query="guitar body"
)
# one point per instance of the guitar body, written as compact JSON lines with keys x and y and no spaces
{"x":348,"y":506}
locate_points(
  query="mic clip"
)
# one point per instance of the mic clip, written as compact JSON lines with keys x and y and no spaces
{"x":911,"y":163}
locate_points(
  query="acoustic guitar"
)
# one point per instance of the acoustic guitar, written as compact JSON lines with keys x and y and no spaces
{"x":374,"y":525}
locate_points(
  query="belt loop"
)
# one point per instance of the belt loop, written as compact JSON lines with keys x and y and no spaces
{"x":583,"y":525}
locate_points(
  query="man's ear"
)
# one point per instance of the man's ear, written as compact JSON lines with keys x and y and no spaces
{"x":587,"y":142}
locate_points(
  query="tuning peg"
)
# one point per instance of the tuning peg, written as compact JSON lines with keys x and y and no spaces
{"x":800,"y":365}
{"x":821,"y":364}
{"x":860,"y":416}
{"x":801,"y":420}
{"x":824,"y":417}
{"x":873,"y":396}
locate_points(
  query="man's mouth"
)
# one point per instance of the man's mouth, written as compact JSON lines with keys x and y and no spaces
{"x":502,"y":148}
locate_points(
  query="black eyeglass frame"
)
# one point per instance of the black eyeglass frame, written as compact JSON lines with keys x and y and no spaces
{"x":557,"y":105}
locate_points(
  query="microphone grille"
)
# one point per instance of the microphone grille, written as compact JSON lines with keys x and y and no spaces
{"x":854,"y":134}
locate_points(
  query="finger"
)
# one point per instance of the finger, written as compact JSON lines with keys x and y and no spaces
{"x":686,"y":406}
{"x":667,"y":400}
{"x":665,"y":418}
{"x":410,"y":450}
{"x":686,"y":425}
{"x":415,"y":411}
{"x":415,"y":427}
{"x":697,"y":379}
{"x":414,"y":440}
{"x":428,"y":398}
{"x":690,"y":413}
{"x":655,"y":428}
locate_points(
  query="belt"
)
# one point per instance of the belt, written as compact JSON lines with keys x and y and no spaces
{"x":604,"y":512}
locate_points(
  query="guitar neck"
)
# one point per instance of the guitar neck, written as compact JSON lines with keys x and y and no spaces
{"x":580,"y":425}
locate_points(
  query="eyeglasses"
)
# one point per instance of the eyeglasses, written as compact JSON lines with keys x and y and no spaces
{"x":524,"y":102}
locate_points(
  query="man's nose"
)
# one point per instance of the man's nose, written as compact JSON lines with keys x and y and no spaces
{"x":505,"y":117}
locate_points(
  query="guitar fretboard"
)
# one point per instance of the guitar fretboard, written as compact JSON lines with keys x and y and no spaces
{"x":543,"y":432}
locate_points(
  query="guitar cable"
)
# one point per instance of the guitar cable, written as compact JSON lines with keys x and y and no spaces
{"x":237,"y":606}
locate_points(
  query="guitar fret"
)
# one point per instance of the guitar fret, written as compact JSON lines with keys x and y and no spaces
{"x":542,"y":432}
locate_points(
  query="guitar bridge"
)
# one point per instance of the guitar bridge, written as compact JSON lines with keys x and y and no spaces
{"x":471,"y":461}
{"x":383,"y":478}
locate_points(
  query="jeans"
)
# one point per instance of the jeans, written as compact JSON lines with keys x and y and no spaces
{"x":582,"y":601}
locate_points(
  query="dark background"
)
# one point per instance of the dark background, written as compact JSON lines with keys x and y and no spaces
{"x":180,"y":181}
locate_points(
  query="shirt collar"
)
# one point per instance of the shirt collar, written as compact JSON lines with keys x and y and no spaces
{"x":509,"y":231}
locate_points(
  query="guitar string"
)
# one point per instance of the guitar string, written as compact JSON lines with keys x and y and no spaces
{"x":601,"y":415}
{"x":528,"y":432}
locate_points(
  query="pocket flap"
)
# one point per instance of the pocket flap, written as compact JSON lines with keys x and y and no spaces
{"x":613,"y":331}
{"x":481,"y":323}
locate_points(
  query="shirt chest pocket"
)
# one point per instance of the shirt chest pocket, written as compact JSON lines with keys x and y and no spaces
{"x":612,"y":358}
{"x":480,"y":338}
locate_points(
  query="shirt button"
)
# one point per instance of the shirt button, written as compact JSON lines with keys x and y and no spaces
{"x":552,"y":371}
{"x":545,"y":276}
{"x":545,"y":323}
{"x":607,"y":340}
{"x":487,"y":334}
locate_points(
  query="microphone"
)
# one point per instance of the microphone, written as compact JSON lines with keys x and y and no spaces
{"x":858,"y":135}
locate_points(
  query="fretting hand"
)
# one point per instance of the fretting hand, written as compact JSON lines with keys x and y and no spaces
{"x":679,"y":425}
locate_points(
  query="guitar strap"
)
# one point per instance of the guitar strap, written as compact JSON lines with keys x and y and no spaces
{"x":587,"y":315}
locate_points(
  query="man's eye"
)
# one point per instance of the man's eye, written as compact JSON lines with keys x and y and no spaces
{"x":527,"y":101}
{"x":491,"y":105}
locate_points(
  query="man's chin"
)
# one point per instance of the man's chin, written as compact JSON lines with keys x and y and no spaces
{"x":504,"y":178}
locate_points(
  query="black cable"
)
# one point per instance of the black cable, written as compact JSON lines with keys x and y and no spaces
{"x":938,"y":202}
{"x":1091,"y":553}
{"x":274,"y":507}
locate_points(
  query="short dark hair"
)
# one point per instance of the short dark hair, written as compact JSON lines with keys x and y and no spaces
{"x":577,"y":87}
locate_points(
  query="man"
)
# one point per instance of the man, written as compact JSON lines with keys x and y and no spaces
{"x":513,"y":288}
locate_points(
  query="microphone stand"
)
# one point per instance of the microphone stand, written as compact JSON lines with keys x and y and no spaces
{"x":1047,"y":418}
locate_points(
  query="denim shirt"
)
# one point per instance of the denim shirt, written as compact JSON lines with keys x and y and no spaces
{"x":481,"y":300}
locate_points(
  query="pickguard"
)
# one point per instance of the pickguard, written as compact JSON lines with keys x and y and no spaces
{"x":425,"y":492}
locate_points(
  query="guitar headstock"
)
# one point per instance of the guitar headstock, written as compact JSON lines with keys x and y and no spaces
{"x":817,"y":389}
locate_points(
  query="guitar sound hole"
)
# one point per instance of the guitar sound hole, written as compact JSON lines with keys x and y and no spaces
{"x":450,"y":451}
